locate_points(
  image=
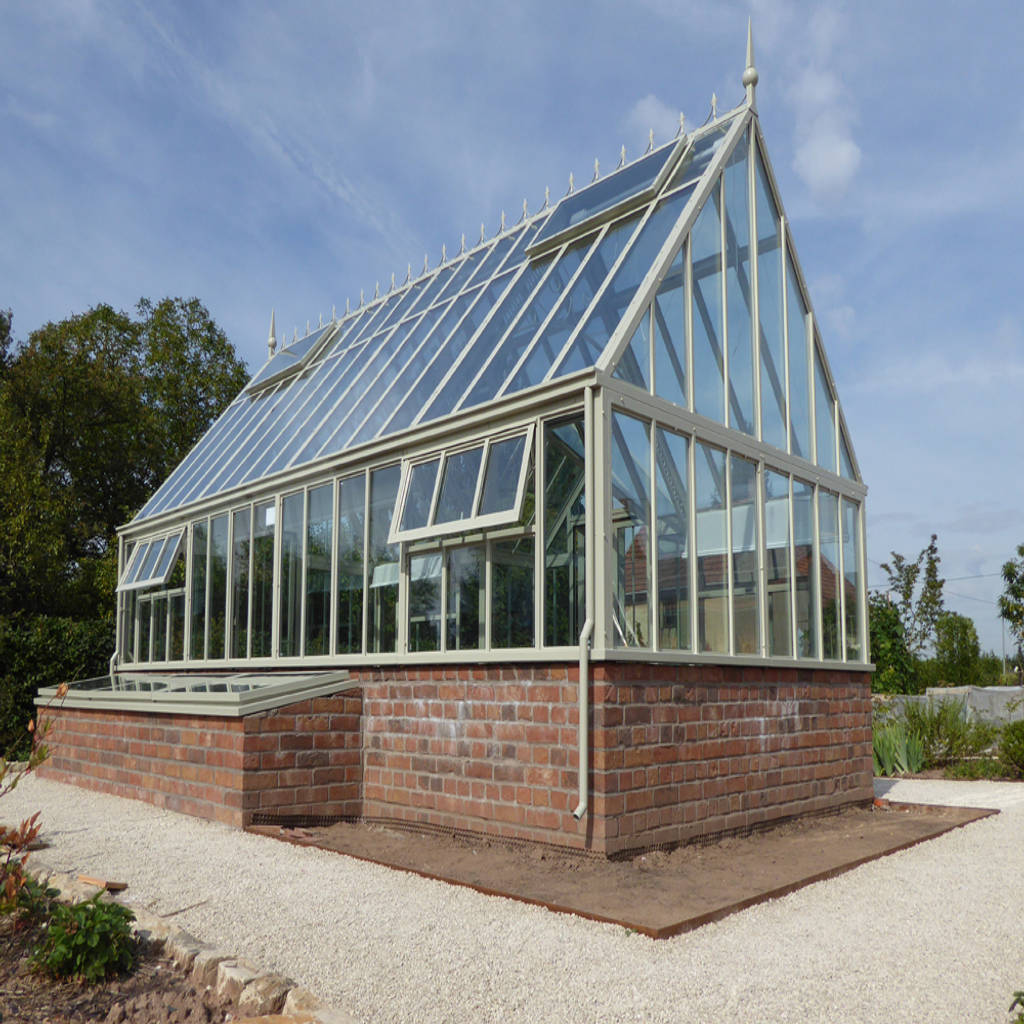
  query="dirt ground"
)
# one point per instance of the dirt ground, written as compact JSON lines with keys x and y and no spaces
{"x":659,"y":893}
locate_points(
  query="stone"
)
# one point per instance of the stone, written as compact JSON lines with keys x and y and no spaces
{"x":183,"y":949}
{"x":232,"y":977}
{"x":265,"y":994}
{"x":205,"y":965}
{"x":301,"y":1000}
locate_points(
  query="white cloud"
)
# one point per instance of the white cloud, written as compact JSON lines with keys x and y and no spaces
{"x":651,"y":113}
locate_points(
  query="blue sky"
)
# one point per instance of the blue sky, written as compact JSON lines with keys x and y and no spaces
{"x":262,"y":155}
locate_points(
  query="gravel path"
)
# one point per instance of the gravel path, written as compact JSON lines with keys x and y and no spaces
{"x":934,"y":934}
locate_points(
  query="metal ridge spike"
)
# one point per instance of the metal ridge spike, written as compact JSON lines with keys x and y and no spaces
{"x":272,"y":338}
{"x":650,"y":141}
{"x":750,"y":75}
{"x":597,"y":169}
{"x":622,"y":157}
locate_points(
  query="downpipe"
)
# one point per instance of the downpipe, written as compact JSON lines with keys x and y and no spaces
{"x":584,"y":727}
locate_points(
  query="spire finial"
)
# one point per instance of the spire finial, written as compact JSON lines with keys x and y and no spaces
{"x":376,"y":289}
{"x":650,"y":141}
{"x":426,"y":262}
{"x":307,"y":327}
{"x":272,"y":338}
{"x":462,"y":245}
{"x":321,"y":319}
{"x":597,"y":169}
{"x":682,"y":124}
{"x":714,"y":106}
{"x":444,"y":253}
{"x":362,"y":298}
{"x":526,"y":211}
{"x":295,"y":335}
{"x":348,"y":306}
{"x":572,"y":184}
{"x":502,"y":220}
{"x":392,"y":281}
{"x":622,"y":157}
{"x":750,"y":75}
{"x":547,"y":196}
{"x":334,"y":313}
{"x":408,"y":273}
{"x":483,"y":232}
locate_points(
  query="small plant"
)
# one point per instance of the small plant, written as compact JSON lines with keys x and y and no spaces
{"x":35,"y":899}
{"x":1018,"y":1005}
{"x":1011,"y":748}
{"x":89,"y":940}
{"x":976,"y":768}
{"x":896,"y":750}
{"x":945,"y":731}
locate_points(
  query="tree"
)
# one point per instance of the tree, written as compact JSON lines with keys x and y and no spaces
{"x":1011,"y":601}
{"x":894,"y":665}
{"x":957,"y":650}
{"x":918,"y":599}
{"x":95,"y":411}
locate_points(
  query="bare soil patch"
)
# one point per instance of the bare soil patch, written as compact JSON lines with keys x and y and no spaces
{"x":661,"y":893}
{"x":154,"y":992}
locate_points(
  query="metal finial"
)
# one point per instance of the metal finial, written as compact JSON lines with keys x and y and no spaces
{"x":547,"y":197}
{"x":444,"y":253}
{"x":750,"y":75}
{"x":272,"y":338}
{"x":622,"y":157}
{"x":334,"y":313}
{"x":682,"y":125}
{"x":572,"y":184}
{"x":408,"y":273}
{"x":307,"y":328}
{"x":714,"y":107}
{"x":502,"y":220}
{"x":650,"y":141}
{"x":321,"y":319}
{"x":295,"y":335}
{"x":526,"y":211}
{"x":348,"y":306}
{"x":392,"y":280}
{"x":426,"y":262}
{"x":597,"y":169}
{"x":362,"y":298}
{"x":376,"y":289}
{"x":462,"y":246}
{"x":483,"y":232}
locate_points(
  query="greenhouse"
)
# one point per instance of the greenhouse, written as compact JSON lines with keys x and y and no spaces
{"x":581,"y":493}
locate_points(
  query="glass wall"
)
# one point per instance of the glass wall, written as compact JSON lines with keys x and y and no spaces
{"x":745,"y":535}
{"x":739,"y":291}
{"x":290,"y":574}
{"x":351,"y":545}
{"x":465,"y":591}
{"x":382,"y":561}
{"x":631,"y":530}
{"x":830,"y":578}
{"x":512,"y":572}
{"x":240,"y":540}
{"x":218,"y":596}
{"x":778,"y":572}
{"x":712,"y":568}
{"x":852,"y":601}
{"x":672,"y":525}
{"x":262,"y":639}
{"x":805,"y":577}
{"x":564,"y":532}
{"x":200,"y":555}
{"x":319,"y":547}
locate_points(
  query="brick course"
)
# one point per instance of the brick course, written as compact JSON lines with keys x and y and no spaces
{"x":677,"y":752}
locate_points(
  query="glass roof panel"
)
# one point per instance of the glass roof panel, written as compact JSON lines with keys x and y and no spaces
{"x":606,"y":193}
{"x":591,"y":340}
{"x":398,"y":309}
{"x":497,"y":254}
{"x":462,"y":274}
{"x":280,"y":360}
{"x":430,"y":293}
{"x":846,"y":462}
{"x":700,"y":154}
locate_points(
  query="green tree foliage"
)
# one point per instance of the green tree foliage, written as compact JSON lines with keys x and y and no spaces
{"x":916,"y":590}
{"x":957,"y":651}
{"x":894,"y":665}
{"x":98,"y":409}
{"x":1011,"y":601}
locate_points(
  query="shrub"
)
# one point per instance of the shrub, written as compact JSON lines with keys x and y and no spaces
{"x":1011,"y":748}
{"x":945,"y":731}
{"x":89,"y":940}
{"x":976,"y":768}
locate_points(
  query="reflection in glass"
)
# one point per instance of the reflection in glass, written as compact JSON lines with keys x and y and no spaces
{"x":631,"y":530}
{"x":853,"y":611}
{"x":501,"y":479}
{"x":670,"y":335}
{"x":712,"y":575}
{"x":425,"y":603}
{"x":634,"y":365}
{"x":160,"y":628}
{"x":512,"y":593}
{"x":564,"y":532}
{"x":382,"y":562}
{"x":290,"y":575}
{"x":777,"y":571}
{"x":351,"y":533}
{"x":145,"y":627}
{"x":458,"y":485}
{"x":240,"y":541}
{"x":319,"y":535}
{"x":218,"y":585}
{"x":262,"y":639}
{"x":828,"y":527}
{"x":176,"y":642}
{"x":419,"y":495}
{"x":745,"y":588}
{"x":824,"y":416}
{"x":769,"y":311}
{"x":673,"y":539}
{"x":197,"y":642}
{"x":805,"y":578}
{"x":799,"y":371}
{"x":845,"y":460}
{"x":708,"y":353}
{"x":129,"y":605}
{"x":738,"y":290}
{"x":465,"y":599}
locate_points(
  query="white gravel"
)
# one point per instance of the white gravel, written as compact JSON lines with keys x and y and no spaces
{"x":935,"y":933}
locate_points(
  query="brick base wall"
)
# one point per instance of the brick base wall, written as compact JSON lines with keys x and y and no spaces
{"x":677,"y":752}
{"x":303,"y":758}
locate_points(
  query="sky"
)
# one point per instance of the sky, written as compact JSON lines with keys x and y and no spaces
{"x":265,"y":155}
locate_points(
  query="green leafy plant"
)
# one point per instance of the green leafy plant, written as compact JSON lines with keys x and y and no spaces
{"x":35,"y":900}
{"x":1018,"y":1005}
{"x":976,"y":768}
{"x":946,"y":732}
{"x":896,"y":751}
{"x":89,"y":940}
{"x":1011,"y":748}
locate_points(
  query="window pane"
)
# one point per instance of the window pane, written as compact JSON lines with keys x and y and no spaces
{"x":148,"y":565}
{"x":504,"y":464}
{"x":634,"y":365}
{"x":851,"y":580}
{"x":738,"y":291}
{"x":177,"y":617}
{"x":263,"y":581}
{"x":419,"y":495}
{"x":145,"y":628}
{"x":799,"y":373}
{"x":425,"y":602}
{"x":512,"y":593}
{"x":351,"y":527}
{"x":170,"y":551}
{"x":631,"y":529}
{"x":708,"y":353}
{"x":382,"y":561}
{"x":828,"y":524}
{"x":769,"y":310}
{"x":712,"y":578}
{"x":218,"y":585}
{"x":458,"y":485}
{"x":197,"y":642}
{"x":673,"y":539}
{"x":240,"y":583}
{"x":159,"y":628}
{"x":670,"y":336}
{"x":465,"y":599}
{"x":745,"y":590}
{"x":129,"y":600}
{"x":290,"y":569}
{"x":845,"y":461}
{"x":806,"y":583}
{"x":319,"y":535}
{"x":776,"y":518}
{"x":824,"y":416}
{"x":564,"y":532}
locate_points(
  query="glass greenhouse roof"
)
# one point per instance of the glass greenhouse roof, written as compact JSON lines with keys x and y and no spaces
{"x":539,"y":302}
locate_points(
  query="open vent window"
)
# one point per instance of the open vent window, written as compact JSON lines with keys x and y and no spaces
{"x":290,"y":359}
{"x":151,"y":562}
{"x":469,"y":488}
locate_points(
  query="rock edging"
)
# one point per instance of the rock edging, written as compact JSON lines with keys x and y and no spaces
{"x":258,"y":994}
